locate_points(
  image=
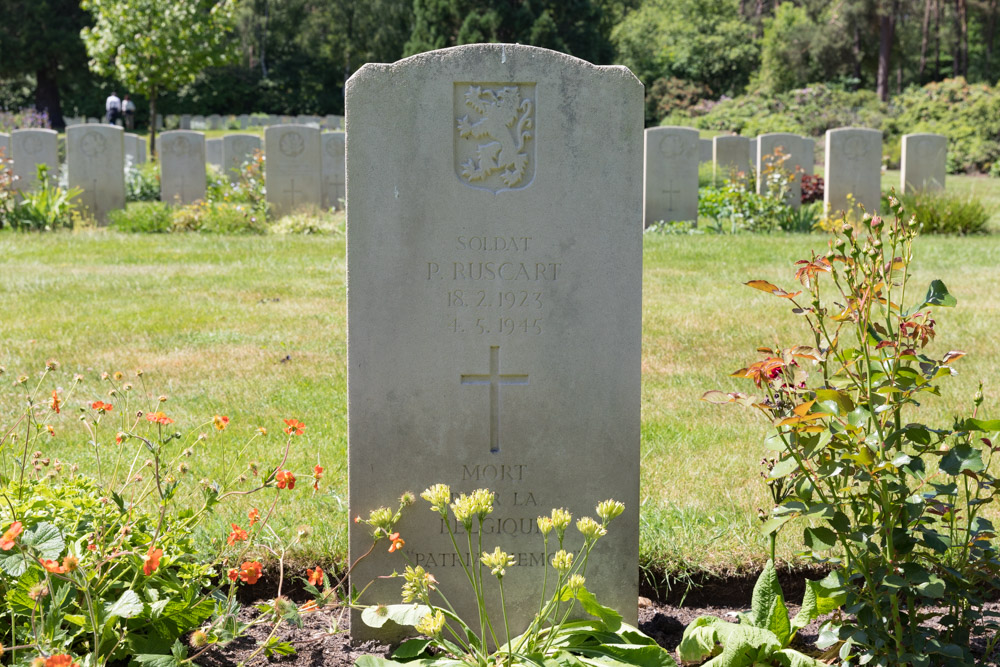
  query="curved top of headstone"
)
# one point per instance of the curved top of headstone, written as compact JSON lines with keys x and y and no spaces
{"x":867,"y":130}
{"x":922,"y":135}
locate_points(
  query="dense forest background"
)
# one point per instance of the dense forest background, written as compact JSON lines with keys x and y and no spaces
{"x":293,"y":56}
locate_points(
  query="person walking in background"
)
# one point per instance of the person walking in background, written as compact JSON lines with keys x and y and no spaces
{"x":113,"y":108}
{"x":128,"y":107}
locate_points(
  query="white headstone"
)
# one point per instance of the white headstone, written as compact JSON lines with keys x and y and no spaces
{"x":729,"y":157}
{"x":853,"y":166}
{"x":32,"y":147}
{"x":332,"y":122}
{"x":791,"y":146}
{"x":705,"y":150}
{"x":671,"y":180}
{"x":182,"y":166}
{"x":334,"y":174}
{"x":94,"y":121}
{"x":495,"y":307}
{"x":135,"y":148}
{"x":924,"y":163}
{"x":214,"y":122}
{"x":753,"y":152}
{"x":293,"y":171}
{"x":213,"y":152}
{"x":198,"y":123}
{"x":185,"y":123}
{"x":244,"y":121}
{"x":95,"y":163}
{"x":237,"y":149}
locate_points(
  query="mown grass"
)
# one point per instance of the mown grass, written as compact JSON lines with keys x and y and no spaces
{"x":254,"y":328}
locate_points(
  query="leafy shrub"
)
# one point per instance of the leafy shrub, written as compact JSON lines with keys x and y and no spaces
{"x":217,"y":218}
{"x":147,"y":217}
{"x":812,"y":188}
{"x":46,"y":207}
{"x":894,"y":505}
{"x":668,"y":95}
{"x":28,"y":117}
{"x":310,"y":221}
{"x":8,"y":196}
{"x":944,"y":213}
{"x":248,"y":188}
{"x":142,"y":182}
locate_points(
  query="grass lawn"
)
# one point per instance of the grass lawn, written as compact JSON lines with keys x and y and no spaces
{"x":254,"y":328}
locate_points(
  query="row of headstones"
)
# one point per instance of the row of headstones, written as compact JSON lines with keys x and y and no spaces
{"x":217,"y":122}
{"x":304,"y":166}
{"x":853,"y":167}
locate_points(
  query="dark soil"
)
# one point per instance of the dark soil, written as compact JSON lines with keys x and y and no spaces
{"x":324,"y":639}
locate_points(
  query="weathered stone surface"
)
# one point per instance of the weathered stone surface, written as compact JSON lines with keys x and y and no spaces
{"x":671,"y":180}
{"x":135,"y":148}
{"x":730,"y":156}
{"x":182,"y":166}
{"x":331,"y":122}
{"x":924,"y":162}
{"x":705,"y":150}
{"x":753,"y":152}
{"x":808,"y":155}
{"x":237,"y":149}
{"x":215,"y":122}
{"x":32,"y":147}
{"x":293,"y":171}
{"x":95,"y":162}
{"x":334,"y":174}
{"x":213,"y":152}
{"x":185,"y":123}
{"x":790,"y":145}
{"x":494,"y":308}
{"x":853,"y":166}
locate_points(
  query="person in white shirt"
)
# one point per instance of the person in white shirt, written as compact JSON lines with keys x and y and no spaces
{"x":113,"y":107}
{"x":128,"y":107}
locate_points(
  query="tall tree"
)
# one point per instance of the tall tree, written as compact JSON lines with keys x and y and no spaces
{"x":152,"y":46}
{"x":29,"y":30}
{"x":886,"y":32}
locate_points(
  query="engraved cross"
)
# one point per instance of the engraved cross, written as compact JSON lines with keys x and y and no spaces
{"x":494,"y":380}
{"x":670,"y":195}
{"x":291,"y":191}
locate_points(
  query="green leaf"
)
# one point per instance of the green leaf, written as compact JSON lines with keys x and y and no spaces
{"x":783,"y":468}
{"x":46,"y":540}
{"x":986,"y":425}
{"x":834,"y":397}
{"x":818,"y":600}
{"x":128,"y":606}
{"x":774,"y":524}
{"x":412,"y":648}
{"x":938,"y":295}
{"x":961,"y":458}
{"x":402,"y":614}
{"x":700,"y":640}
{"x":157,"y":660}
{"x":767,"y":605}
{"x":820,"y":539}
{"x":792,"y":658}
{"x":611,"y":619}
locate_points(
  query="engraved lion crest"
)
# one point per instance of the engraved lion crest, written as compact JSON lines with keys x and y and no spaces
{"x":499,"y":122}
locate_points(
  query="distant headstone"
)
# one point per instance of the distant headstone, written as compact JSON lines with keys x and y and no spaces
{"x":293,"y":168}
{"x":671,"y":180}
{"x":30,"y":148}
{"x":791,"y":146}
{"x":74,"y":120}
{"x":309,"y":121}
{"x":215,"y":122}
{"x":237,"y":149}
{"x":485,"y":185}
{"x":244,"y":121}
{"x":94,"y":121}
{"x":332,"y":122}
{"x":753,"y":152}
{"x":95,"y":163}
{"x":924,"y":163}
{"x":198,"y":123}
{"x":808,"y":155}
{"x":185,"y":123}
{"x":182,"y":166}
{"x":853,"y":166}
{"x":213,"y":152}
{"x":135,"y":148}
{"x":334,"y":175}
{"x":159,"y":121}
{"x":5,"y":145}
{"x":705,"y":150}
{"x":730,"y":155}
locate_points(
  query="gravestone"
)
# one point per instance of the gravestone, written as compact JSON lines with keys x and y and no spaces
{"x":213,"y":152}
{"x":198,"y":123}
{"x":214,"y":122}
{"x":237,"y":149}
{"x":185,"y":123}
{"x":790,"y":145}
{"x":244,"y":121}
{"x":705,"y":150}
{"x":95,"y":163}
{"x":309,"y":121}
{"x":293,"y":172}
{"x":30,"y":148}
{"x":94,"y":121}
{"x":808,"y":155}
{"x":5,"y":145}
{"x":334,"y":175}
{"x":730,"y":157}
{"x":671,"y":178}
{"x":159,"y":121}
{"x":182,"y":166}
{"x":332,"y":122}
{"x":753,"y":152}
{"x":135,"y":148}
{"x":494,"y":301}
{"x":923,"y":163}
{"x":853,"y":166}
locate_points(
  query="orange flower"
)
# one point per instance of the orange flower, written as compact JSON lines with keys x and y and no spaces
{"x":294,"y":427}
{"x":285,"y":478}
{"x":317,"y":475}
{"x":250,"y":572}
{"x":60,"y":660}
{"x":397,"y":543}
{"x":151,"y":560}
{"x":159,"y":418}
{"x":238,"y":535}
{"x":52,"y":566}
{"x":70,"y":563}
{"x":315,"y":576}
{"x":262,"y":430}
{"x":102,"y":407}
{"x":768,"y":369}
{"x":10,"y":537}
{"x":254,"y":516}
{"x":55,"y":401}
{"x":48,"y":427}
{"x":221,"y":422}
{"x":234,"y":574}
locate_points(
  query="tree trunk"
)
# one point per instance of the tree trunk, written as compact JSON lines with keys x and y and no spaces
{"x":47,"y":97}
{"x":924,"y":32}
{"x":991,"y":24}
{"x":962,"y":7}
{"x":886,"y":27}
{"x":856,"y":51}
{"x":263,"y":41}
{"x":152,"y":122}
{"x":937,"y":40}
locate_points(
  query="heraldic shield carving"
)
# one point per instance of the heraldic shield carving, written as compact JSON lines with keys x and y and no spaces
{"x":495,"y":135}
